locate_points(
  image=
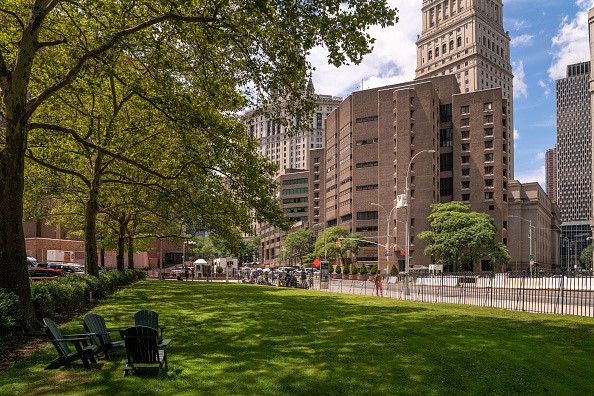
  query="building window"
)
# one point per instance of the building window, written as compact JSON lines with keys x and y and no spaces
{"x":488,"y":119}
{"x":436,"y":52}
{"x":464,"y":109}
{"x":488,"y":157}
{"x":466,"y":172}
{"x":488,"y":144}
{"x":452,"y":45}
{"x":488,"y":170}
{"x":446,"y":138}
{"x":466,"y":184}
{"x":489,"y":195}
{"x":367,"y":164}
{"x":465,"y":135}
{"x":465,"y":197}
{"x":367,"y":187}
{"x":430,"y":55}
{"x":488,"y":106}
{"x":446,"y":162}
{"x":488,"y":131}
{"x":445,"y":112}
{"x":489,"y":183}
{"x":465,"y":121}
{"x":465,"y":146}
{"x":367,"y":215}
{"x":465,"y":159}
{"x":459,"y":41}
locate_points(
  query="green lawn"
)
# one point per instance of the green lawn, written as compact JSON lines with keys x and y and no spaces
{"x":233,"y":339}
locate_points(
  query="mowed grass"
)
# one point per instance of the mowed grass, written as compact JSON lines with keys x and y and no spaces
{"x":234,"y":339}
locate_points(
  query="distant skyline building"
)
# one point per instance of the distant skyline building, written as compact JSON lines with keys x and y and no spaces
{"x":574,"y":160}
{"x":551,"y":174}
{"x":466,"y":38}
{"x":291,"y":151}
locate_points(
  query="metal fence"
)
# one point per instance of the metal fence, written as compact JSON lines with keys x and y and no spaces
{"x":545,"y":293}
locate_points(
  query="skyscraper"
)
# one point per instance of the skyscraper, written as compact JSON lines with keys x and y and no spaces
{"x":466,"y":38}
{"x":574,"y":159}
{"x":551,"y":174}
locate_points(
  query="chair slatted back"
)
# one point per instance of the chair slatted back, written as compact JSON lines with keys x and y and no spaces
{"x":141,"y":344}
{"x":54,"y":334}
{"x":96,"y":324}
{"x":147,"y":318}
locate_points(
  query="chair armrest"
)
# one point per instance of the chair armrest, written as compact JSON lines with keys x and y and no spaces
{"x":71,"y":339}
{"x":164,"y":343}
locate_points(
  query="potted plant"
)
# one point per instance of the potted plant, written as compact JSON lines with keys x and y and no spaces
{"x":345,"y":272}
{"x":363,"y":272}
{"x":219,"y":270}
{"x":354,"y":272}
{"x":394,"y":270}
{"x":337,"y":272}
{"x":373,"y":272}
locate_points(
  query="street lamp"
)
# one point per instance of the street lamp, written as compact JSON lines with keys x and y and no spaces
{"x":530,"y":238}
{"x":567,"y":249}
{"x":389,"y":216}
{"x":407,"y":228}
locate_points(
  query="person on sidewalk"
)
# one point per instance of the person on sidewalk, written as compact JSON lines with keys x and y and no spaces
{"x":379,"y":291}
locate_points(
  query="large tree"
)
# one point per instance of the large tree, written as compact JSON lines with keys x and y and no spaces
{"x":297,"y":245}
{"x":459,"y":237}
{"x":337,"y":242}
{"x":255,"y":48}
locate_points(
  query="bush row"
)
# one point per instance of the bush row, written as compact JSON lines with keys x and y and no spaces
{"x":63,"y":295}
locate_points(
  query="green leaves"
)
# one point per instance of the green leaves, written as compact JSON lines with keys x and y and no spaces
{"x":459,"y":237}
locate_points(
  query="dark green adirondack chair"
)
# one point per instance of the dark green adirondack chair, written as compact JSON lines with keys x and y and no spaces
{"x":84,"y":350}
{"x":148,"y":318}
{"x":144,"y":351}
{"x":95,"y":325}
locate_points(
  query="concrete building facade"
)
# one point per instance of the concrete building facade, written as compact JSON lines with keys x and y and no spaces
{"x":551,"y":173}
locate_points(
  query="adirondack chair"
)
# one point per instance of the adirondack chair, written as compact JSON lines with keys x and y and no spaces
{"x":100,"y":335}
{"x":148,"y":318}
{"x":85,"y":350}
{"x":145,"y":352}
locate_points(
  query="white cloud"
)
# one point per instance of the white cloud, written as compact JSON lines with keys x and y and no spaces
{"x":516,"y":134}
{"x":571,"y":43}
{"x":520,"y":87}
{"x":532,"y":175}
{"x":540,"y":156}
{"x":545,"y":88}
{"x":393,"y":60}
{"x":522,"y":41}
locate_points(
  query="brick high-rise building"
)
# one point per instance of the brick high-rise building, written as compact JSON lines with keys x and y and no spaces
{"x":466,"y":38}
{"x":371,"y":138}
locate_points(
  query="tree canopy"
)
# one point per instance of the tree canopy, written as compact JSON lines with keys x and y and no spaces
{"x":336,"y":242}
{"x":459,"y":237}
{"x":216,"y":57}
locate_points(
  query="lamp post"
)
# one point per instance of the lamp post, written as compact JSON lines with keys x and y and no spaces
{"x":407,"y":228}
{"x":530,"y":238}
{"x":567,"y":249}
{"x":389,"y":216}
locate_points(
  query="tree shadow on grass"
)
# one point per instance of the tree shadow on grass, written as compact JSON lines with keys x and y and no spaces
{"x":254,"y":340}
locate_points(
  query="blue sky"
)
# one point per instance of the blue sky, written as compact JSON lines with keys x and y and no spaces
{"x":547,"y":35}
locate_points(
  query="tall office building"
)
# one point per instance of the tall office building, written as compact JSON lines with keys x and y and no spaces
{"x":291,"y":151}
{"x":466,"y":38}
{"x":551,"y":174}
{"x":574,"y":160}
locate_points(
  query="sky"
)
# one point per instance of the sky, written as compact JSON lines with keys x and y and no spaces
{"x":546,"y":36}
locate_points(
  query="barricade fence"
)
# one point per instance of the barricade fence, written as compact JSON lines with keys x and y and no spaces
{"x":544,"y":293}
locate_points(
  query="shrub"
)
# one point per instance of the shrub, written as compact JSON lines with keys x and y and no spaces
{"x":345,"y":270}
{"x":394,"y":270}
{"x":373,"y":269}
{"x":337,"y":269}
{"x":10,"y":313}
{"x":219,"y":270}
{"x":354,"y":270}
{"x":363,"y":270}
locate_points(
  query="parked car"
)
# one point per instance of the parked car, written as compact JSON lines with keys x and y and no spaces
{"x":31,"y":262}
{"x":68,"y":268}
{"x":45,"y":273}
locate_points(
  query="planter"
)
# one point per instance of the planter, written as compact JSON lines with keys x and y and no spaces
{"x":351,"y":276}
{"x":362,"y":277}
{"x":336,"y":276}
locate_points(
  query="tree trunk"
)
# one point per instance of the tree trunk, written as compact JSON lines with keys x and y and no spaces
{"x":13,"y":254}
{"x":130,"y":251}
{"x":121,"y":243}
{"x":91,"y":212}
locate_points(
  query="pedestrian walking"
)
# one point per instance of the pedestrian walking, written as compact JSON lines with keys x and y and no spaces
{"x":379,"y":291}
{"x":187,"y":274}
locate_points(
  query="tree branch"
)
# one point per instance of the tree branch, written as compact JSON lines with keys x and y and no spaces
{"x":14,"y":15}
{"x":57,"y":169}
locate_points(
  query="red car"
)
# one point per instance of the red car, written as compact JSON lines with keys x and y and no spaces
{"x":45,"y":273}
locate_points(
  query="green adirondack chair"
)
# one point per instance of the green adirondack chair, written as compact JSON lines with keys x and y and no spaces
{"x":146,"y":354}
{"x":100,"y":335}
{"x":84,"y":349}
{"x":148,"y":318}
